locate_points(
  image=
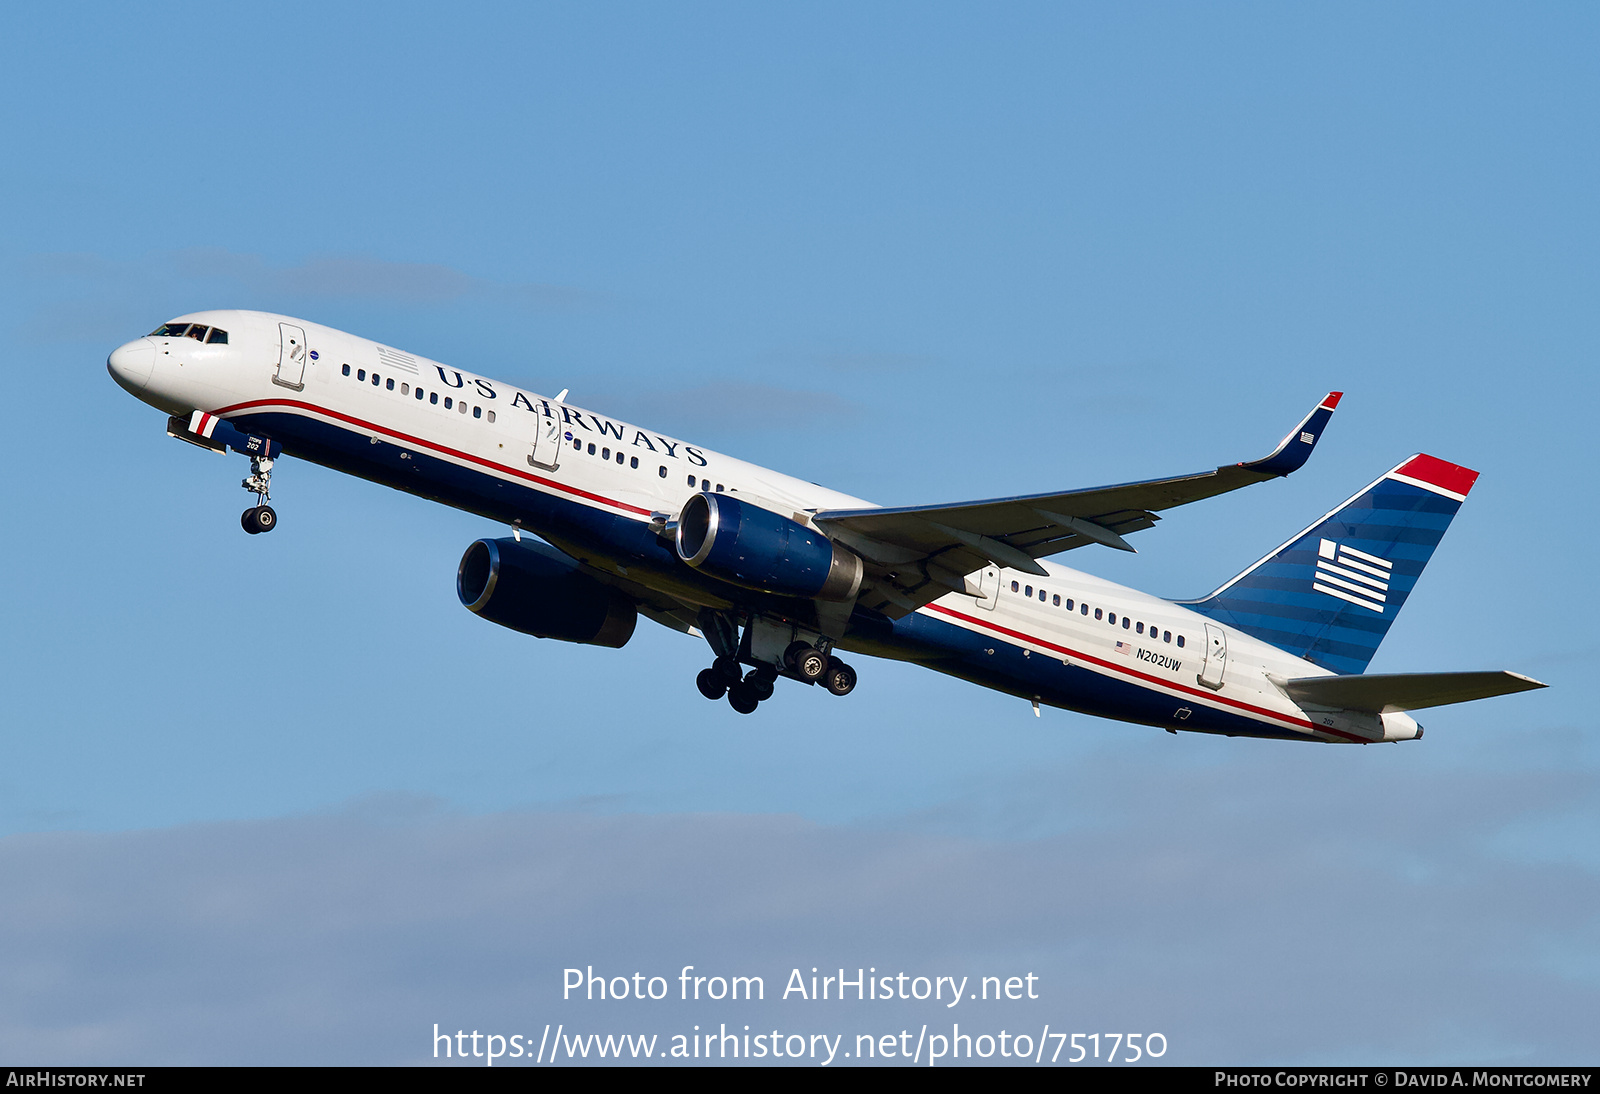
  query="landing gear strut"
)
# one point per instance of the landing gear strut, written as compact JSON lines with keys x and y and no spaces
{"x":259,"y":517}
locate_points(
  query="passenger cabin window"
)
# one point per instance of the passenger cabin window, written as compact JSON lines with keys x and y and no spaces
{"x":361,"y":374}
{"x":434,"y":398}
{"x":1097,"y":613}
{"x":346,"y":370}
{"x":1015,"y":586}
{"x":448,"y":402}
{"x":1166,"y":636}
{"x":419,"y":394}
{"x":663,"y":471}
{"x":1069,"y":603}
{"x":477,"y":412}
{"x":389,"y":384}
{"x":1125,"y":622}
{"x":633,"y":461}
{"x":1027,"y":591}
{"x":491,"y":416}
{"x":1055,"y":601}
{"x":1180,"y":641}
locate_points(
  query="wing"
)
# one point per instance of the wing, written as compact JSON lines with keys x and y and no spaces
{"x":916,"y":554}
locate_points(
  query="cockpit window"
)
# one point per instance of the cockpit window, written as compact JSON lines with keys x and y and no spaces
{"x":197,"y":331}
{"x":218,"y":336}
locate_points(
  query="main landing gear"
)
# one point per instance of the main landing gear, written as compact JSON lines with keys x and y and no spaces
{"x":816,"y":667}
{"x":259,"y":517}
{"x":747,"y":690}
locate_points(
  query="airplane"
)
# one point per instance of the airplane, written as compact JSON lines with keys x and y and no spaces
{"x":610,"y":521}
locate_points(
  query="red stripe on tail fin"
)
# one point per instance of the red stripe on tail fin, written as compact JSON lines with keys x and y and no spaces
{"x":1436,"y":472}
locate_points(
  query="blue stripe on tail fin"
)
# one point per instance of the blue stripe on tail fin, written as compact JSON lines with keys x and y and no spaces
{"x":1330,"y":594}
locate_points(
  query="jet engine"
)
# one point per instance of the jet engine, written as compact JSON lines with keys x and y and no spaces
{"x":535,"y":589}
{"x":747,"y":545}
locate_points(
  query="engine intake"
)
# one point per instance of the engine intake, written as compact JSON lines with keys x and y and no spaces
{"x":535,"y":589}
{"x":758,"y":549}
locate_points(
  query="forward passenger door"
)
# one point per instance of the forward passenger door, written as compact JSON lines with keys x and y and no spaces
{"x":291,"y":357}
{"x":546,"y":441}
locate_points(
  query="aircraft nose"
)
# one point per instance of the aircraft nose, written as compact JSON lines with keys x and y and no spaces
{"x":130,"y":365}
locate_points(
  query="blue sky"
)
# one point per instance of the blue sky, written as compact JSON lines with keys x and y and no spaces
{"x":916,"y":253}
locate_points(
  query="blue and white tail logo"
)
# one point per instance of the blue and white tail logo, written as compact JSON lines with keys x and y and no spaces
{"x":1351,"y":575}
{"x":1330,"y":594}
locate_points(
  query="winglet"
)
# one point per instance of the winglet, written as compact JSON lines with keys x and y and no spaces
{"x":1295,"y":449}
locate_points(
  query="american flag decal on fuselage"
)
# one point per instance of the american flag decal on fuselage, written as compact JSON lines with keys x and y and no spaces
{"x":1351,"y":575}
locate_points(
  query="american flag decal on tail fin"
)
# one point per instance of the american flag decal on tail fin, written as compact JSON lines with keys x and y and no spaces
{"x":1351,"y":575}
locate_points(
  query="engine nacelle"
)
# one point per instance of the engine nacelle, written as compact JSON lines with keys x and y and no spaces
{"x":755,"y":547}
{"x":537,"y":590}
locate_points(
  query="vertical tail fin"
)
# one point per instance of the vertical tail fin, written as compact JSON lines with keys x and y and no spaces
{"x":1330,"y":594}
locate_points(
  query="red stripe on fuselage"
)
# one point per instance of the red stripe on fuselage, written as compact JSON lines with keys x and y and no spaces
{"x":1208,"y":696}
{"x":420,"y":443}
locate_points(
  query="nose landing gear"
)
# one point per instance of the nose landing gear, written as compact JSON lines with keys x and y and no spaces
{"x":260,"y":517}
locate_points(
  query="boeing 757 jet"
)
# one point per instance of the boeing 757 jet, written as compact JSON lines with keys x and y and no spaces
{"x":610,"y":521}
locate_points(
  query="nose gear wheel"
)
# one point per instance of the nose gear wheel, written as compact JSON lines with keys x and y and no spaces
{"x":260,"y":517}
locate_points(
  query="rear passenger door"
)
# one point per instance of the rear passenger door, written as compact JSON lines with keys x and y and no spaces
{"x":1216,"y":656}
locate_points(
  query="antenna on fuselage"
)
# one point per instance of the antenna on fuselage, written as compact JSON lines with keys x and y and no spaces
{"x":562,"y":396}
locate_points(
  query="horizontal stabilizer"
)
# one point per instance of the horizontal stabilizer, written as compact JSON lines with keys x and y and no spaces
{"x":1406,"y":690}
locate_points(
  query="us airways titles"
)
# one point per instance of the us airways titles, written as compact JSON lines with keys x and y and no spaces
{"x":601,"y":428}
